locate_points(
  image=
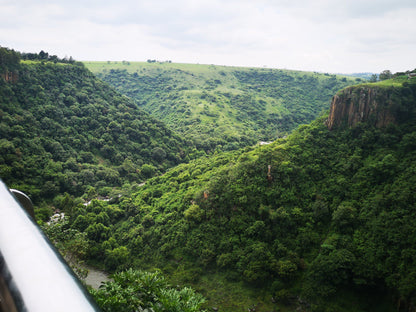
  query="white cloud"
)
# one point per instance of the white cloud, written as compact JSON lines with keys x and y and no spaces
{"x":322,"y":35}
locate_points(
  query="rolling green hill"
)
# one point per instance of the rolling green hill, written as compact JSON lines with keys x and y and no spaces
{"x":63,"y":130}
{"x":223,"y":107}
{"x":322,"y":220}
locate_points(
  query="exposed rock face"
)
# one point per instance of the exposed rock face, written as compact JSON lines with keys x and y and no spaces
{"x":361,"y":104}
{"x":10,"y":76}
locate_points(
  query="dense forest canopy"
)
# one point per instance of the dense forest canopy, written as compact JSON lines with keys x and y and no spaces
{"x":221,"y":107}
{"x":315,"y":219}
{"x":320,"y":220}
{"x":63,"y":130}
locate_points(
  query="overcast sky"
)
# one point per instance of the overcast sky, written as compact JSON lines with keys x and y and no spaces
{"x":336,"y":36}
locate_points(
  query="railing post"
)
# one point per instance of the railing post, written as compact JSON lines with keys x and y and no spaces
{"x":33,"y":275}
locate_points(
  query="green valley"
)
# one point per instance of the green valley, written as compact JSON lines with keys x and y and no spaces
{"x":166,"y":188}
{"x":319,"y":221}
{"x":223,"y":107}
{"x":64,"y":131}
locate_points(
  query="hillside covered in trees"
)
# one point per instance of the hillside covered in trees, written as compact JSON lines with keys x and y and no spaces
{"x":64,"y":131}
{"x":322,"y":220}
{"x":223,"y":107}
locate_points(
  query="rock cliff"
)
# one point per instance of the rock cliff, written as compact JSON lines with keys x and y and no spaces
{"x":10,"y":76}
{"x":362,"y":104}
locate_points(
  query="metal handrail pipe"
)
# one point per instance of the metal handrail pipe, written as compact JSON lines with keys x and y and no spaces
{"x":33,"y":275}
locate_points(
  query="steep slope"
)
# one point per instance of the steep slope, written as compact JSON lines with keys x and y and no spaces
{"x":321,"y":220}
{"x":224,"y":107}
{"x":62,"y":130}
{"x":388,"y":103}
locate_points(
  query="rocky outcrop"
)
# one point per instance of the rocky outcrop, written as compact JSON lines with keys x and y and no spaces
{"x":10,"y":76}
{"x":361,"y":104}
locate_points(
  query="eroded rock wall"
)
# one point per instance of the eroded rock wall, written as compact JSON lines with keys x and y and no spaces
{"x":361,"y":104}
{"x":10,"y":76}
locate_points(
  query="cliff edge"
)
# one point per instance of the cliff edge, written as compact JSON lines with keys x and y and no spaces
{"x":377,"y":104}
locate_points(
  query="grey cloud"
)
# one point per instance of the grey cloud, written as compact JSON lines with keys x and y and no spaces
{"x":303,"y":34}
{"x":329,"y":11}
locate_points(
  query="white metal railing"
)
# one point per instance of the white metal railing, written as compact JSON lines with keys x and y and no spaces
{"x":33,"y":276}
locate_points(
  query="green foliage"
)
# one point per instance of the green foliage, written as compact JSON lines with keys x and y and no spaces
{"x":72,"y":244}
{"x":385,"y":74}
{"x":310,"y":215}
{"x":133,"y":290}
{"x":308,"y":218}
{"x":117,"y":257}
{"x":223,"y":108}
{"x":148,"y":170}
{"x":64,"y":131}
{"x":373,"y":78}
{"x":9,"y":60}
{"x":194,"y":212}
{"x":330,"y":271}
{"x":45,"y":57}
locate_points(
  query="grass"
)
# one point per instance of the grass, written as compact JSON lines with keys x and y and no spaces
{"x":394,"y":82}
{"x":133,"y":67}
{"x":214,"y":70}
{"x":31,"y":62}
{"x":231,"y":296}
{"x":248,"y":104}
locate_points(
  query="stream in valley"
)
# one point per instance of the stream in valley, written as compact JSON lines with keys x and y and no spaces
{"x":95,"y":277}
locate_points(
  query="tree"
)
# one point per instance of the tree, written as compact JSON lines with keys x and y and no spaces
{"x":72,"y":244}
{"x":134,"y":290}
{"x":43,"y":55}
{"x":158,"y":154}
{"x":385,"y":74}
{"x":194,"y":213}
{"x":327,"y":272}
{"x":148,"y":170}
{"x":116,"y":257}
{"x":9,"y":59}
{"x":373,"y":78}
{"x":97,"y":232}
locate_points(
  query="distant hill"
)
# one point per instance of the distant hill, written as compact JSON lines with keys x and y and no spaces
{"x":63,"y":130}
{"x":322,"y":220}
{"x":223,"y":107}
{"x":365,"y":76}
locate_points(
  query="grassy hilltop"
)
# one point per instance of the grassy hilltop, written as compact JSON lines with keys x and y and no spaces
{"x":319,"y":220}
{"x":329,"y":227}
{"x":63,"y":130}
{"x":223,"y":107}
